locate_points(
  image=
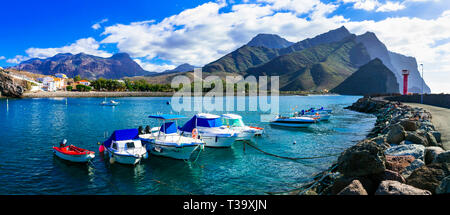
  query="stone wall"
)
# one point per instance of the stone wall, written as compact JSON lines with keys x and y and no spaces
{"x":440,"y":100}
{"x":402,"y":155}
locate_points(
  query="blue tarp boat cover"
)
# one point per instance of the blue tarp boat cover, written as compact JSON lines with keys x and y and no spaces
{"x":125,"y":134}
{"x":168,"y":128}
{"x":202,"y":122}
{"x":166,"y":117}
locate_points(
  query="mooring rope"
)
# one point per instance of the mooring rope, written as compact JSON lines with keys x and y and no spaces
{"x":289,"y":158}
{"x":153,"y":179}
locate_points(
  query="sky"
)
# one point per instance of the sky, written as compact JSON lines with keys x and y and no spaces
{"x":161,"y":35}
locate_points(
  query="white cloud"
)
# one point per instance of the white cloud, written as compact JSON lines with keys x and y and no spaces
{"x":203,"y":34}
{"x":378,"y":5}
{"x":391,"y":6}
{"x":86,"y":45}
{"x":367,"y":5}
{"x":154,"y":67}
{"x":97,"y":25}
{"x":2,"y":57}
{"x":17,"y":59}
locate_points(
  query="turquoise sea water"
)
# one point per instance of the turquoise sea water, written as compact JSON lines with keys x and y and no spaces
{"x":30,"y":127}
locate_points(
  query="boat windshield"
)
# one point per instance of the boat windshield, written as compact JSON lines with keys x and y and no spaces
{"x":234,"y":122}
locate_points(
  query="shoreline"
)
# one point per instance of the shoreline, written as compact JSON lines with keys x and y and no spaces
{"x":402,"y":155}
{"x":76,"y":94}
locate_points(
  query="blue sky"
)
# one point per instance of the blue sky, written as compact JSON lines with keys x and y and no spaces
{"x":163,"y":34}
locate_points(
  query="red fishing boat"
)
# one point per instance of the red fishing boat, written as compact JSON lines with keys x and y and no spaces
{"x":73,"y":153}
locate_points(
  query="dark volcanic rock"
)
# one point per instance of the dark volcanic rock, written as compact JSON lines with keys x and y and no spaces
{"x":354,"y":188}
{"x":365,"y":158}
{"x":443,"y":157}
{"x":398,"y":163}
{"x":416,"y":139}
{"x":8,"y":87}
{"x":396,"y":188}
{"x":431,"y":153}
{"x":396,"y":134}
{"x":429,"y":177}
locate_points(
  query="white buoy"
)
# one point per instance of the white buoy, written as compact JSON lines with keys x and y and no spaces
{"x":112,"y":160}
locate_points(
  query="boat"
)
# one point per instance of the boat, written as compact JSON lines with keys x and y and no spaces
{"x":73,"y":153}
{"x":125,"y":147}
{"x":294,"y":121}
{"x":319,"y":114}
{"x":110,"y":103}
{"x":168,"y":141}
{"x":210,"y":130}
{"x":244,"y":132}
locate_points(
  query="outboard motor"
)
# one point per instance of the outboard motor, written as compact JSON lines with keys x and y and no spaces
{"x":141,"y":130}
{"x":147,"y":130}
{"x":63,"y":143}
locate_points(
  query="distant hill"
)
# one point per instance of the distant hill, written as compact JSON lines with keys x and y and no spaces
{"x":371,"y":78}
{"x":249,"y":56}
{"x":87,"y":66}
{"x":185,"y":67}
{"x":320,"y":67}
{"x":269,"y":41}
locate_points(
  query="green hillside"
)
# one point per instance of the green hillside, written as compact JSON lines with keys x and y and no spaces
{"x":320,"y":67}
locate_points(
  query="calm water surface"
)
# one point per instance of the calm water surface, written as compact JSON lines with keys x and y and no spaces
{"x":30,"y":127}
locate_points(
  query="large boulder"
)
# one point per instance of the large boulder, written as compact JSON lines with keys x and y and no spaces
{"x":8,"y":87}
{"x":409,"y":125}
{"x":354,"y":188}
{"x":444,"y":187}
{"x":398,"y":163}
{"x":437,"y":135}
{"x":431,"y":153}
{"x":416,"y":138}
{"x":364,"y":158}
{"x":443,"y":157}
{"x":428,"y":177}
{"x":389,"y":175}
{"x":413,"y":166}
{"x":396,"y":134}
{"x":396,"y":188}
{"x":417,"y":151}
{"x":431,"y":139}
{"x":342,"y":181}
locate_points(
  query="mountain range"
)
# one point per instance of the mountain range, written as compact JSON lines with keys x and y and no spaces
{"x":362,"y":82}
{"x":321,"y":62}
{"x":87,"y":66}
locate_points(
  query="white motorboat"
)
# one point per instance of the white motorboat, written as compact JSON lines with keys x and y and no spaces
{"x":210,"y":130}
{"x":294,"y":122}
{"x":244,"y":132}
{"x":319,"y":115}
{"x":167,"y":140}
{"x":125,"y":147}
{"x":110,"y":103}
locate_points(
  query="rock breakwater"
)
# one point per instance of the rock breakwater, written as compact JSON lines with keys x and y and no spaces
{"x":402,"y":155}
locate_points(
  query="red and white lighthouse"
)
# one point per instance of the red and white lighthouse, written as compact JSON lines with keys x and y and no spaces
{"x":405,"y":81}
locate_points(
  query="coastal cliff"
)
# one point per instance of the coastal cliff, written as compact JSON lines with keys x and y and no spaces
{"x":8,"y":87}
{"x":402,"y":155}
